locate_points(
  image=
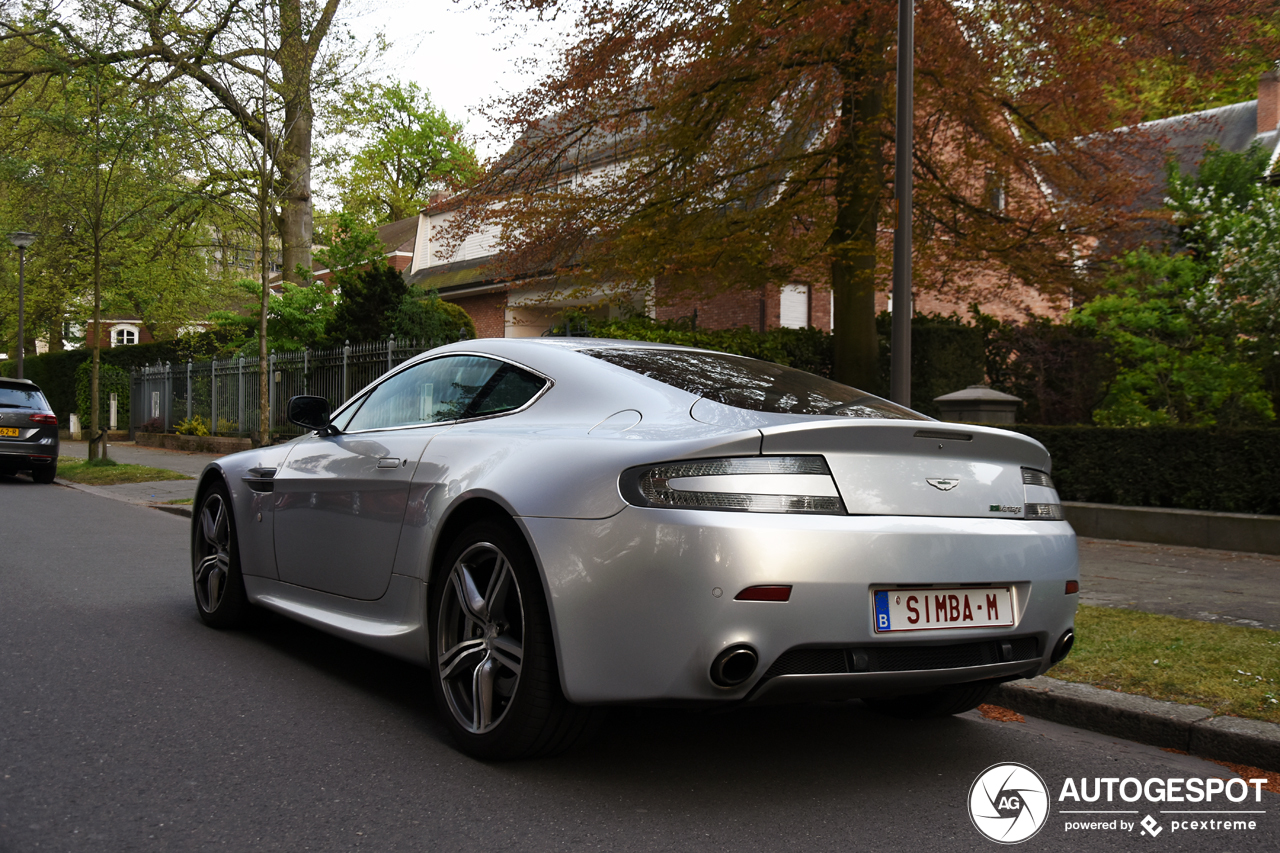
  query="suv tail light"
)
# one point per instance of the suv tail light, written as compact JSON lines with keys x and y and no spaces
{"x":44,"y":419}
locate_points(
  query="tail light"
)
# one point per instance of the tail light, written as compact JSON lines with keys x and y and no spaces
{"x":1042,"y":501}
{"x":748,"y":484}
{"x":1045,"y":512}
{"x":44,"y":419}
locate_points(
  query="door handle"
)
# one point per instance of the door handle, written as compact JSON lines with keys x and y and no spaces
{"x":389,"y":462}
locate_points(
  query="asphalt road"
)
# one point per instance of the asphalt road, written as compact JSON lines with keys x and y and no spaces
{"x":126,"y":725}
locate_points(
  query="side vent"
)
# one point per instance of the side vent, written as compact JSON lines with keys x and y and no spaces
{"x":260,"y":479}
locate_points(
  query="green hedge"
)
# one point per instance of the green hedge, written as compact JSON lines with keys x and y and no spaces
{"x":1221,"y":470}
{"x":111,"y":380}
{"x":946,"y":355}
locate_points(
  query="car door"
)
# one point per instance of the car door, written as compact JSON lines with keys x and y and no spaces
{"x":340,"y":499}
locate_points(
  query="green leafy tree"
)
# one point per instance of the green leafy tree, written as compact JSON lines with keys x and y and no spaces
{"x":116,"y":174}
{"x":1174,"y":365}
{"x":297,"y":317}
{"x":1230,"y":221}
{"x":431,"y":320}
{"x":399,"y":149}
{"x":367,"y":304}
{"x":351,"y":246}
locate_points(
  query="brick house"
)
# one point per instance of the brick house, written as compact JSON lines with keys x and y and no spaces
{"x":530,"y":307}
{"x":118,"y":330}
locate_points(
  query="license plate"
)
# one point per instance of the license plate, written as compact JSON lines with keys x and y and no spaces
{"x":8,"y":432}
{"x":929,"y":609}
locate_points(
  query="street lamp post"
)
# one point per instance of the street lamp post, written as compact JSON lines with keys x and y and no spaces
{"x":900,"y":347}
{"x":21,"y":239}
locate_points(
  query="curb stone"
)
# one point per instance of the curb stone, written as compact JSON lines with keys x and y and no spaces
{"x":1189,"y":728}
{"x":175,"y":509}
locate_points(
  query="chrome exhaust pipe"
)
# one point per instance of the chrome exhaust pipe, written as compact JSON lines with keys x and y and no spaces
{"x":734,"y":665}
{"x":1063,"y":648}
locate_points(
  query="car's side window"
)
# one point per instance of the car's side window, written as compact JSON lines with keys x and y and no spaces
{"x":509,"y":389}
{"x":445,"y":389}
{"x":343,"y":419}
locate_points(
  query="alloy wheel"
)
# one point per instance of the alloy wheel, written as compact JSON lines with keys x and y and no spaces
{"x":480,"y":638}
{"x":214,"y":564}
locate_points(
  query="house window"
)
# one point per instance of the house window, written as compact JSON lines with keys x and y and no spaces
{"x":124,"y":337}
{"x":794,"y":311}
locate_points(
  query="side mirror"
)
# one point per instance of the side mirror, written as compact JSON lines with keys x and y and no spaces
{"x":309,"y":412}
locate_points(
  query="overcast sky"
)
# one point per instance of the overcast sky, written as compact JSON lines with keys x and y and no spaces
{"x":455,"y":51}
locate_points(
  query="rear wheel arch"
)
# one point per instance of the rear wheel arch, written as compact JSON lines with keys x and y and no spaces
{"x":462,"y":516}
{"x":484,"y":544}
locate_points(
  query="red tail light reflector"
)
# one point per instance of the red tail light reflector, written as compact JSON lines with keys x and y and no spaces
{"x":1073,"y":587}
{"x":43,"y":419}
{"x":764,"y":593}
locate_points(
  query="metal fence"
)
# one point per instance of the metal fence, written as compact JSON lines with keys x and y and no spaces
{"x":226,"y":395}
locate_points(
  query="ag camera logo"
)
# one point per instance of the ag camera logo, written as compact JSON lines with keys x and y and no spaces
{"x":1008,"y":803}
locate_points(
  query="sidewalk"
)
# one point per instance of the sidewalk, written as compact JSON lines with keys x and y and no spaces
{"x":157,"y":494}
{"x":1229,"y":587}
{"x":181,"y":461}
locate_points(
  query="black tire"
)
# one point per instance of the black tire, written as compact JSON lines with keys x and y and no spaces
{"x":215,"y":562}
{"x":45,"y":473}
{"x":491,"y":652}
{"x":945,"y":702}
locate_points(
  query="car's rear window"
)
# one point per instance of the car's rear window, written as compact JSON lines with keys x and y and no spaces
{"x":19,"y":397}
{"x":747,"y":383}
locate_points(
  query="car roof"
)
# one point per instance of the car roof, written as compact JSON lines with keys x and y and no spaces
{"x":26,"y":384}
{"x":577,"y":344}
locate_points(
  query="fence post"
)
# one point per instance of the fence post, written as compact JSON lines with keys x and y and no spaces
{"x":213,"y":396}
{"x":135,"y":394}
{"x":188,"y":388}
{"x":306,"y":359}
{"x":391,"y":347}
{"x":271,"y":393}
{"x":168,"y":393}
{"x":346,"y":352}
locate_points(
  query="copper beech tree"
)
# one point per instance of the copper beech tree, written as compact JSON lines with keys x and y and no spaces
{"x":751,"y":141}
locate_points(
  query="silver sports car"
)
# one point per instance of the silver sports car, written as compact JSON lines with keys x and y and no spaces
{"x":552,"y":526}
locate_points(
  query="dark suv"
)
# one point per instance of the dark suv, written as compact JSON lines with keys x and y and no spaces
{"x":28,"y":431}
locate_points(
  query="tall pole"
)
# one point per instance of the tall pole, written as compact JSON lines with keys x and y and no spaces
{"x":900,"y":344}
{"x":22,"y":318}
{"x":22,"y":239}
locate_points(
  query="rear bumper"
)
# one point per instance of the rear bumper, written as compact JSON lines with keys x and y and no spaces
{"x":27,"y":453}
{"x":643,"y":602}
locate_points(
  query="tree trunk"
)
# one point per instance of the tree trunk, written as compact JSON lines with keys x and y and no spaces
{"x":296,"y":224}
{"x":297,"y":56}
{"x":263,"y":436}
{"x":94,"y":415}
{"x":858,"y":191}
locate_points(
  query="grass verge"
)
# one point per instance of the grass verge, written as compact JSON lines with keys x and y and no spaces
{"x":107,"y":472}
{"x":1226,"y":668}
